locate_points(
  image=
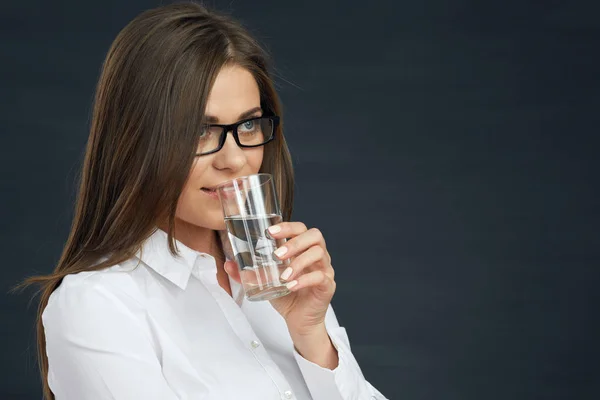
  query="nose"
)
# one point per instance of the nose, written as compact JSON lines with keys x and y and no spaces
{"x":231,"y":156}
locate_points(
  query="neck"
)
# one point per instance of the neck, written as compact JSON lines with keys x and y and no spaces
{"x":204,"y":240}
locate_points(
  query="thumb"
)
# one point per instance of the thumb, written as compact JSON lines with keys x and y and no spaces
{"x":232,"y":270}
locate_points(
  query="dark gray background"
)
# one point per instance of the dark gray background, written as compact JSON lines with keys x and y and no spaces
{"x":447,"y":150}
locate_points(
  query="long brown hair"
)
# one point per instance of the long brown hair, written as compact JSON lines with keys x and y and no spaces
{"x":150,"y":99}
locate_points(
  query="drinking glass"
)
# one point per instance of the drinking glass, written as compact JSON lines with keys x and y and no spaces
{"x":250,"y":206}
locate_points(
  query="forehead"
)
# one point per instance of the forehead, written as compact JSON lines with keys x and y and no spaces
{"x":234,"y":92}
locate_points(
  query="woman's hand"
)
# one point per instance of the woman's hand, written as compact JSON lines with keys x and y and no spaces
{"x":311,"y":281}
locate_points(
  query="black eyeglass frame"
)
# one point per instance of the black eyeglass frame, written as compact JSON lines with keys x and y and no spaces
{"x":234,"y":127}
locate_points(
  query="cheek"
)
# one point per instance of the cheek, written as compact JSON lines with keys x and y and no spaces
{"x":255,"y":158}
{"x":195,"y":207}
{"x":195,"y":179}
{"x":198,"y":209}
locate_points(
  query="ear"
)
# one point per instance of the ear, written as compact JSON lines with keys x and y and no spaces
{"x":232,"y":270}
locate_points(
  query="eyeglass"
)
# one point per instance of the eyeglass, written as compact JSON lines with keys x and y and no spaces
{"x":252,"y":132}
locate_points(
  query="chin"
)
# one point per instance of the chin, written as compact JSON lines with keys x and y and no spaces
{"x":214,"y":221}
{"x":218,"y":225}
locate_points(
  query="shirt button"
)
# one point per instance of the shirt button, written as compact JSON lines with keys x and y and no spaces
{"x":288,"y":394}
{"x":254,"y":344}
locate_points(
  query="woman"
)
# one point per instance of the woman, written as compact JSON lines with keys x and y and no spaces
{"x":141,"y":304}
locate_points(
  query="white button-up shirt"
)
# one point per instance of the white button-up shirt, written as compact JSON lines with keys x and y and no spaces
{"x":161,"y":327}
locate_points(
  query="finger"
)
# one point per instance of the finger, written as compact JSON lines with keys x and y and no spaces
{"x":232,"y":270}
{"x":314,"y":258}
{"x":300,"y":243}
{"x":286,"y":230}
{"x":316,"y":279}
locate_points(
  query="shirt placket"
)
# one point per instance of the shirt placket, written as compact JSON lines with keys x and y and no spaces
{"x":242,"y":328}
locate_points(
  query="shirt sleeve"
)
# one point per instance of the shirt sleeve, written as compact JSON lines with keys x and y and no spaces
{"x":97,"y":347}
{"x":346,"y":381}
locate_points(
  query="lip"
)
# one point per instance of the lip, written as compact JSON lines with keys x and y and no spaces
{"x":227,"y":194}
{"x":212,"y":194}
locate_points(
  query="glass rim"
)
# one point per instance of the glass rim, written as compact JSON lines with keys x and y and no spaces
{"x":221,"y":185}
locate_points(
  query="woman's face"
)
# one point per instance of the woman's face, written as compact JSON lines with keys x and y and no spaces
{"x":233,"y":95}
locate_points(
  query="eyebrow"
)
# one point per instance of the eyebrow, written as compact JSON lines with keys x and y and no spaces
{"x":246,"y":114}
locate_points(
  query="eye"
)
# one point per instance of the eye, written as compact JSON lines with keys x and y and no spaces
{"x":203,"y":131}
{"x":247,"y":127}
{"x":209,"y":131}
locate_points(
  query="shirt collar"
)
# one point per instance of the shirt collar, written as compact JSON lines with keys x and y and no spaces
{"x":155,"y":253}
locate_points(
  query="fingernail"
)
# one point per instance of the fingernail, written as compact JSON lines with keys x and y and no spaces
{"x":287,"y":273}
{"x":281,"y":251}
{"x":268,"y":234}
{"x":291,"y":284}
{"x":274,"y":229}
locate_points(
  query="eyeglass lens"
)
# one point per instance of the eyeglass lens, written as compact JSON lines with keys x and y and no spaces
{"x":251,"y":133}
